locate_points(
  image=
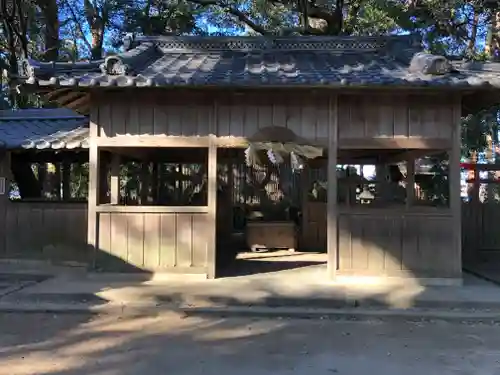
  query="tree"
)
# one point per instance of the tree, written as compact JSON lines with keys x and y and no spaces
{"x":159,"y":17}
{"x":94,"y":22}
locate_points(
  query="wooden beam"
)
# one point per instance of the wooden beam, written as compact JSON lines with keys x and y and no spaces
{"x":411,"y":154}
{"x":152,"y":141}
{"x":243,"y":142}
{"x":66,"y":97}
{"x":396,"y":143}
{"x":332,"y":214}
{"x":78,"y":103}
{"x":109,"y":208}
{"x":400,"y":210}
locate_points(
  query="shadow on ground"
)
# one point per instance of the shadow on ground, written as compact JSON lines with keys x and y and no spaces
{"x":169,"y":343}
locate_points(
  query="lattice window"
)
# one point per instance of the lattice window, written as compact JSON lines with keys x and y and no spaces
{"x":322,"y":44}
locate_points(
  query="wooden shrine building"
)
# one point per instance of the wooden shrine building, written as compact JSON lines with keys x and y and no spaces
{"x":43,"y":184}
{"x":363,"y":116}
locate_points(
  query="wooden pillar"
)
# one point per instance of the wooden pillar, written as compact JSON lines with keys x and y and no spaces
{"x":230,"y":193}
{"x":212,"y":209}
{"x":332,"y":214}
{"x":454,"y":185}
{"x":92,"y":230}
{"x":212,"y":195}
{"x":304,"y":197}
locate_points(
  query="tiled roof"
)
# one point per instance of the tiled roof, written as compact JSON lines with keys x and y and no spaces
{"x":261,"y":62}
{"x":43,"y":129}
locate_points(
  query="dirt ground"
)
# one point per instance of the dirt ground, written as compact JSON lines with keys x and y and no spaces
{"x":47,"y":344}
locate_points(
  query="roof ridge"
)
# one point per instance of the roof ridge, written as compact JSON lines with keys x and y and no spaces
{"x":272,"y":43}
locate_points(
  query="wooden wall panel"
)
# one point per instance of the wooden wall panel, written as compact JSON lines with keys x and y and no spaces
{"x":244,"y":115}
{"x":154,"y":241}
{"x":54,"y":231}
{"x":413,"y":244}
{"x":395,"y":116}
{"x":313,"y":237}
{"x":386,"y":242}
{"x":158,"y":113}
{"x":480,"y":228}
{"x":188,"y":114}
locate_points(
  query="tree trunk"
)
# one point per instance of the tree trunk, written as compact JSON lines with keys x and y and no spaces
{"x":471,"y":47}
{"x":492,"y":47}
{"x":50,"y":12}
{"x":97,"y":40}
{"x":97,"y":18}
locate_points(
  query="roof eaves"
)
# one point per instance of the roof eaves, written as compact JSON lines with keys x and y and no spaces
{"x":63,"y":139}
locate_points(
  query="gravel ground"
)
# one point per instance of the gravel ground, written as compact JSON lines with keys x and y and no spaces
{"x":47,"y":344}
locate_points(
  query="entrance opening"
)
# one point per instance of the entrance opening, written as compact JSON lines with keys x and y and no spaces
{"x":260,"y":218}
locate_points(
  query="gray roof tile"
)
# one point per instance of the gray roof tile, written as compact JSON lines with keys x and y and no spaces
{"x":259,"y":62}
{"x":43,"y":128}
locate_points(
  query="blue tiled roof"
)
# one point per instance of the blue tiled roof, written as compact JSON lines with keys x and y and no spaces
{"x":43,"y":128}
{"x":260,"y":62}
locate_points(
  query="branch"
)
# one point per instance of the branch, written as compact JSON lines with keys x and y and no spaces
{"x":242,"y":17}
{"x":314,"y":11}
{"x":79,"y":25}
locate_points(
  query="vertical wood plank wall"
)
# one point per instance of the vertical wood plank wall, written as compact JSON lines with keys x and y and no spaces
{"x":480,"y":234}
{"x":385,"y":242}
{"x":307,"y":115}
{"x":188,"y":114}
{"x":395,"y":116}
{"x":413,"y":245}
{"x":180,"y":242}
{"x":153,"y":241}
{"x":51,"y":231}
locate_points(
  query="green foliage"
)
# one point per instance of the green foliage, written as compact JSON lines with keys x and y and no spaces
{"x":476,"y":128}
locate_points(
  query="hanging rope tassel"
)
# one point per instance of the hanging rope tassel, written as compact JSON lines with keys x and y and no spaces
{"x":251,"y":156}
{"x":296,"y":161}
